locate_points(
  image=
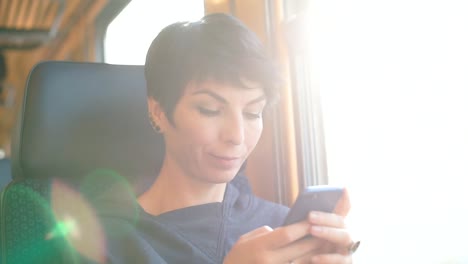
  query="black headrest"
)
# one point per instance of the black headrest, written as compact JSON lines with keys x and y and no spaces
{"x":81,"y":117}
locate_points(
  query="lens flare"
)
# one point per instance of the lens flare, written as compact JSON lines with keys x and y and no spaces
{"x":77,"y":222}
{"x":64,"y":228}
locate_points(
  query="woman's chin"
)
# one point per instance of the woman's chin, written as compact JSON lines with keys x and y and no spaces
{"x":224,"y":176}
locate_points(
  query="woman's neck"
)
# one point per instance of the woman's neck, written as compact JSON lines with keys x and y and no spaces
{"x":173,"y":190}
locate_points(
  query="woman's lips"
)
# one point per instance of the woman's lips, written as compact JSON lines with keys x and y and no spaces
{"x":225,"y":162}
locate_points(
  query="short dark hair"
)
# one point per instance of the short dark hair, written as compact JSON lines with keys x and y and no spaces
{"x":218,"y":46}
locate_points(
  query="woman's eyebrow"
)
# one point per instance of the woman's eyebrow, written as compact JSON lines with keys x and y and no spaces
{"x":256,"y":100}
{"x":212,"y":94}
{"x":224,"y":101}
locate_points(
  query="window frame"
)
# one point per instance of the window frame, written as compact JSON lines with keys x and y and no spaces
{"x":107,"y":15}
{"x":310,"y":136}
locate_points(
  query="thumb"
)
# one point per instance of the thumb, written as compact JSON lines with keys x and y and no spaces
{"x":344,"y":205}
{"x":255,"y":233}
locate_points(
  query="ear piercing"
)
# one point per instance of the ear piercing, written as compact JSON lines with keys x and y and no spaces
{"x":154,"y":125}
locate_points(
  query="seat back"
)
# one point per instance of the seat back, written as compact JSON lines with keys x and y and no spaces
{"x":79,"y":123}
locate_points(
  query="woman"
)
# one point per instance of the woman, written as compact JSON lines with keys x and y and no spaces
{"x":209,"y":83}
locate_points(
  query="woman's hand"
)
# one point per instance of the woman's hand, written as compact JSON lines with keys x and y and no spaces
{"x":331,"y":230}
{"x":329,"y":244}
{"x":264,"y":245}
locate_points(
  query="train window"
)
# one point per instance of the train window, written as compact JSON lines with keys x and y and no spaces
{"x":129,"y":35}
{"x":392,"y":79}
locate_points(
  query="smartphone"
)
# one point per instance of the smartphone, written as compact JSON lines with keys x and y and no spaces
{"x":314,"y":198}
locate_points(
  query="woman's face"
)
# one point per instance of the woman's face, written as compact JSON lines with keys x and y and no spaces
{"x":215,"y":128}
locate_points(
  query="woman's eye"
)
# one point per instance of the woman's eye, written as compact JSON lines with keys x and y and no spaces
{"x":253,"y":115}
{"x":207,"y":112}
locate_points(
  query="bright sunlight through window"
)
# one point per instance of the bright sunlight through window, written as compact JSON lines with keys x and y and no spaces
{"x":130,"y":34}
{"x":394,"y":88}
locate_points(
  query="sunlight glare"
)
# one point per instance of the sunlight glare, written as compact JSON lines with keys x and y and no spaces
{"x":394,"y":90}
{"x":130,"y":34}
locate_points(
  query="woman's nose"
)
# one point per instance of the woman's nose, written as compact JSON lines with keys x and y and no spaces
{"x":233,"y":130}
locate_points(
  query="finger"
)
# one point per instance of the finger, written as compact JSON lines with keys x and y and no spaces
{"x":297,"y":249}
{"x":344,"y":204}
{"x":339,"y":237}
{"x":326,"y":219}
{"x":331,"y":259}
{"x":306,"y":259}
{"x":255,"y":233}
{"x":286,"y":235}
{"x":327,"y":247}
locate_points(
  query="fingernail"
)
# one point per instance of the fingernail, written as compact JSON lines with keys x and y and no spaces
{"x":313,"y":216}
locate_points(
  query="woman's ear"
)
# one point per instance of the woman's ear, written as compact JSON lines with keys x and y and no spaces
{"x":157,"y":116}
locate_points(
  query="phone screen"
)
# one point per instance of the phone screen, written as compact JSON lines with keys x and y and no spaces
{"x":314,"y":198}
